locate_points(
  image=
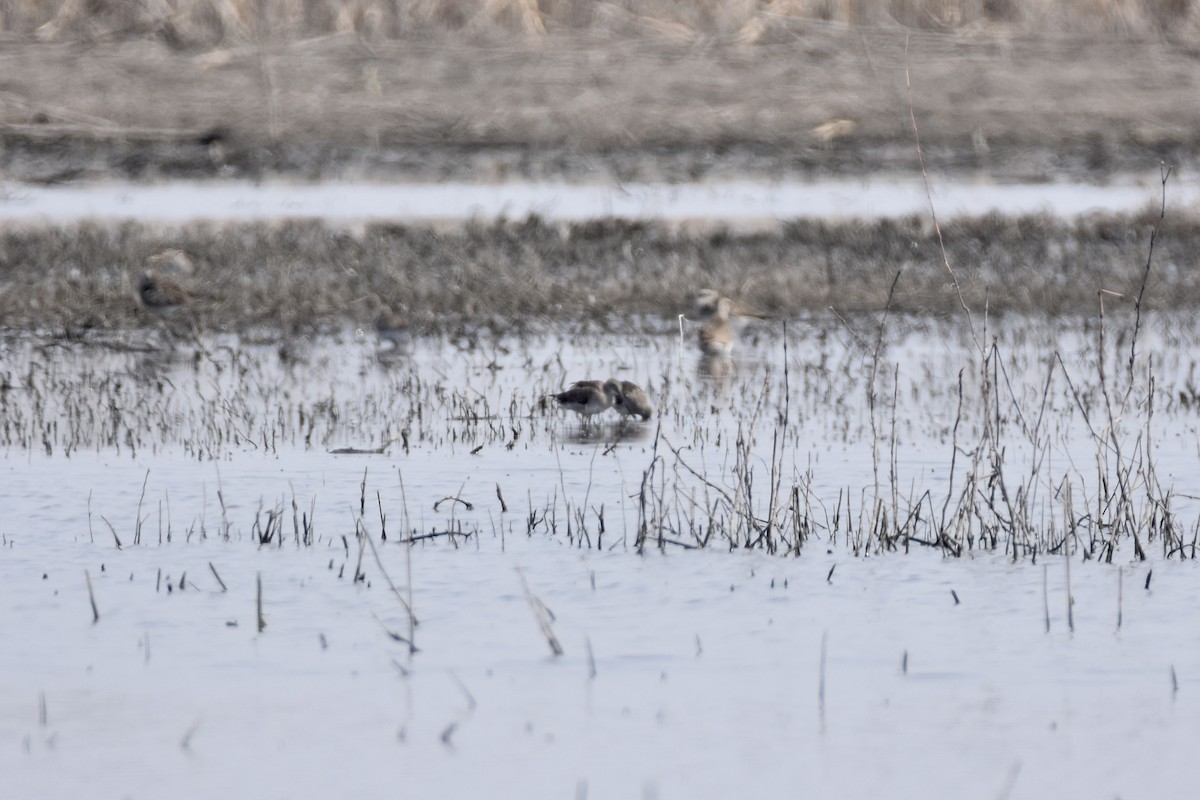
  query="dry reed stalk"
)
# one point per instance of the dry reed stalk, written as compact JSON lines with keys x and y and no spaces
{"x":262,"y":621}
{"x":929,"y":196}
{"x":116,"y":538}
{"x":91,"y":597}
{"x":218,"y":577}
{"x":821,"y":680}
{"x":1046,"y":596}
{"x":1120,"y":596}
{"x":1070,"y":596}
{"x":543,"y":616}
{"x":392,"y":586}
{"x":137,"y":527}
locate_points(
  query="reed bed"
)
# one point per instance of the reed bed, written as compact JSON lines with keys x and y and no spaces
{"x":1033,"y":437}
{"x":79,"y":281}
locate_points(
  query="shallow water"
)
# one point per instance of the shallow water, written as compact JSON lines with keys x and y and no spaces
{"x":730,"y":203}
{"x":469,"y":415}
{"x":695,"y":674}
{"x":685,"y":673}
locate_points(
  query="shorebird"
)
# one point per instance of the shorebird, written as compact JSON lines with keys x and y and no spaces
{"x":171,"y":260}
{"x":159,"y":293}
{"x":704,"y":306}
{"x":392,"y":327}
{"x":631,"y":401}
{"x":717,"y":334}
{"x":160,"y":288}
{"x":588,"y":398}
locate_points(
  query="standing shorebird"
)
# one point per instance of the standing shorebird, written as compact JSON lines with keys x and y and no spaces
{"x":704,"y":306}
{"x":160,"y":294}
{"x":588,"y":398}
{"x":717,"y":334}
{"x":392,"y":327}
{"x":160,"y":288}
{"x":631,"y":401}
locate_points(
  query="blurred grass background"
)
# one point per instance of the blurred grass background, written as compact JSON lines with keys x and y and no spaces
{"x":212,"y":23}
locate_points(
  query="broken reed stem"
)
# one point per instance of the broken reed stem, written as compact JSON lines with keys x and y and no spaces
{"x":412,"y":619}
{"x":1120,"y":594}
{"x":262,"y":622}
{"x":1046,"y":595}
{"x":821,"y":679}
{"x":1070,"y":599}
{"x":362,"y":536}
{"x":116,"y":538}
{"x":218,"y":577}
{"x":542,"y":615}
{"x":91,"y":597}
{"x":137,"y":525}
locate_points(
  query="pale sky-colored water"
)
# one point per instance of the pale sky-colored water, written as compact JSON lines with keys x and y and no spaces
{"x":735,"y":203}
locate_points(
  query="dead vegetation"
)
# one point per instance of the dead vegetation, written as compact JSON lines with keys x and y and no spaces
{"x":635,"y":91}
{"x":303,"y":276}
{"x":198,"y":23}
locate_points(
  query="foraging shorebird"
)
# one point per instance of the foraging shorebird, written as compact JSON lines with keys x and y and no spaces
{"x":588,"y":398}
{"x":704,"y":306}
{"x":171,"y":260}
{"x":722,"y":317}
{"x":160,"y":294}
{"x":160,"y":288}
{"x":631,"y":401}
{"x":717,"y":334}
{"x":392,"y":327}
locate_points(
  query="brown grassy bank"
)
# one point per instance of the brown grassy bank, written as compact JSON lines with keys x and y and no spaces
{"x":208,"y":22}
{"x":442,"y":89}
{"x":305,"y":276}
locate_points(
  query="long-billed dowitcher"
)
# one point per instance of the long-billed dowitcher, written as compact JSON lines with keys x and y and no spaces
{"x":392,"y":327}
{"x":631,"y":401}
{"x":160,"y":287}
{"x":717,"y":334}
{"x":588,"y":398}
{"x":704,"y":306}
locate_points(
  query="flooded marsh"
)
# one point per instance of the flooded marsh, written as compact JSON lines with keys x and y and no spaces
{"x":321,"y":517}
{"x":402,"y":535}
{"x":863,"y":432}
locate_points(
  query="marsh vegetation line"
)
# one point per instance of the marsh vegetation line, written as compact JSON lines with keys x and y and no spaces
{"x":81,"y":281}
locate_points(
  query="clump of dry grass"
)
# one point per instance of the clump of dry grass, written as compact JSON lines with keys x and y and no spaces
{"x":211,"y":22}
{"x":299,"y":276}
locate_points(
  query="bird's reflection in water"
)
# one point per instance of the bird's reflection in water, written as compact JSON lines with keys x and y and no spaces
{"x":608,"y":433}
{"x":716,"y":369}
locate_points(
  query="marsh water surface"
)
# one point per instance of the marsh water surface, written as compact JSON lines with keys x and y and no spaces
{"x":878,"y":554}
